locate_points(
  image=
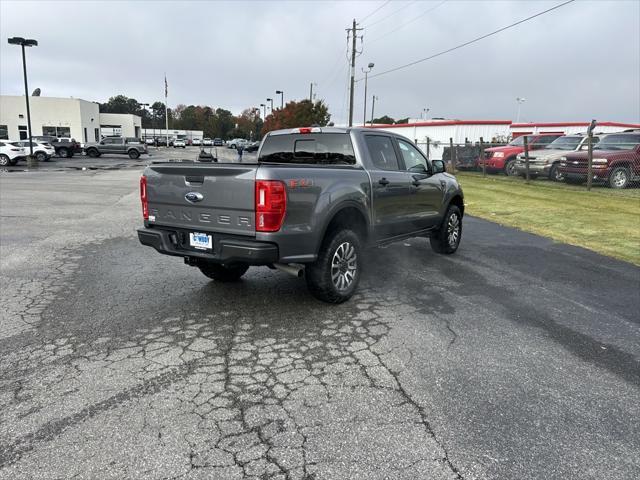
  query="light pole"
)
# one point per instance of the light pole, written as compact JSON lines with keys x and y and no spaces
{"x":520,"y":101}
{"x":281,"y":93}
{"x":270,"y":100}
{"x":144,"y":105}
{"x":366,"y":74}
{"x":424,"y":112}
{"x":264,"y":110}
{"x":373,"y":106}
{"x":25,"y":42}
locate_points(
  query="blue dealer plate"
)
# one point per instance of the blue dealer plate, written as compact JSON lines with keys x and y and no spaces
{"x":200,"y":240}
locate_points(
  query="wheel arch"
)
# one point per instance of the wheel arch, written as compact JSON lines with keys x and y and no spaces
{"x":346,"y":215}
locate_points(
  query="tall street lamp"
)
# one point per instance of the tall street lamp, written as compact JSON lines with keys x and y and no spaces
{"x":281,"y":93}
{"x":366,"y":74}
{"x":270,"y":100}
{"x":264,"y":110}
{"x":520,"y":101}
{"x":311,"y":91}
{"x":424,"y":112}
{"x":28,"y":42}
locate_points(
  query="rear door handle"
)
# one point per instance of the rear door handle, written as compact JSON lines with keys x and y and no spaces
{"x":384,"y":182}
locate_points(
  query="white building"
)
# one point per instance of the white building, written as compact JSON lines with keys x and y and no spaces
{"x":518,"y":129}
{"x":63,"y":117}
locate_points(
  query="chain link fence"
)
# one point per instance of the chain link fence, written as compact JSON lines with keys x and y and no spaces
{"x":610,"y":161}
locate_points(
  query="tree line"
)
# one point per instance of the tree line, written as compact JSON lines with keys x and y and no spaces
{"x":221,"y":123}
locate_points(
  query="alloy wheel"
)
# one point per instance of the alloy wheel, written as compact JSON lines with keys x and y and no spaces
{"x":344,"y":266}
{"x":453,"y":229}
{"x":620,"y":179}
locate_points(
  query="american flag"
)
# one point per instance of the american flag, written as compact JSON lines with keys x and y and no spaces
{"x":166,"y":87}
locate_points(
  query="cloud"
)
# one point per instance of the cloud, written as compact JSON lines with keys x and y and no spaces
{"x":577,"y":63}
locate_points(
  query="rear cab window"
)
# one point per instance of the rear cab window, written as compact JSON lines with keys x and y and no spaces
{"x":309,"y":149}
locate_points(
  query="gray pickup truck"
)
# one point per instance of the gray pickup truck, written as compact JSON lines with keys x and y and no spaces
{"x":116,"y":145}
{"x":309,"y":205}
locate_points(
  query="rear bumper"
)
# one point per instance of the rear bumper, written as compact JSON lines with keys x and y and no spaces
{"x":226,"y":250}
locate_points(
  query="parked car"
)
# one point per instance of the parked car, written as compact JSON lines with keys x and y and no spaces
{"x":64,"y":147}
{"x":161,"y":141}
{"x":546,"y":161}
{"x":10,"y":154}
{"x":206,"y":142}
{"x":178,"y":142}
{"x":149,"y":141}
{"x":503,"y":159}
{"x":309,"y":205}
{"x":196,"y":142}
{"x":237,"y":142}
{"x":218,"y":142}
{"x":616,"y":161}
{"x":41,"y":150}
{"x":251,"y":147}
{"x":117,"y":145}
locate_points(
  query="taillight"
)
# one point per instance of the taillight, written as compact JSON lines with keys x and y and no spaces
{"x":143,"y":197}
{"x":271,"y":205}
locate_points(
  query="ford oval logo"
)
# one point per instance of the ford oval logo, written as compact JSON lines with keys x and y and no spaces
{"x":194,"y":197}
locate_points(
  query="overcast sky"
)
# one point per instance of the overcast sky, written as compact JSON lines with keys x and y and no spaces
{"x":579,"y":62}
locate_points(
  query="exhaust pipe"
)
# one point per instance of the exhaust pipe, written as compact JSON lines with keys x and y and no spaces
{"x":291,"y":269}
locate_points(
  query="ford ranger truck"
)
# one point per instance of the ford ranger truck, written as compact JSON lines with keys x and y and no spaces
{"x":309,"y":204}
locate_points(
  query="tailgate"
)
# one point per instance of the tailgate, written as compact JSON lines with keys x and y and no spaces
{"x":221,"y":200}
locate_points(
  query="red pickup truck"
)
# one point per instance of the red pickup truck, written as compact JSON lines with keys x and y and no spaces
{"x":503,"y":159}
{"x":616,"y":160}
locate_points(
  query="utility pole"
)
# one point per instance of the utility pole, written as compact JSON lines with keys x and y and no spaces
{"x":373,"y":107}
{"x":311,"y":92}
{"x":354,"y":30}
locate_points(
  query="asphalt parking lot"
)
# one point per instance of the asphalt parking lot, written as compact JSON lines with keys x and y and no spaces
{"x":516,"y":358}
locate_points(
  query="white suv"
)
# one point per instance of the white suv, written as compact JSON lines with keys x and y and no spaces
{"x":41,"y":150}
{"x":10,"y":154}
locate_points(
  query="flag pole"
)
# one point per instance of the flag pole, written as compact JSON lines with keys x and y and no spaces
{"x":166,"y":108}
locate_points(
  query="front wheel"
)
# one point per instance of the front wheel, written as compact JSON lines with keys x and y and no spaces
{"x":4,"y":160}
{"x":620,"y":177}
{"x":334,"y":276}
{"x":64,"y":152}
{"x":510,"y":168}
{"x":93,"y":153}
{"x":447,"y":238}
{"x":41,"y":156}
{"x":224,"y":273}
{"x":133,"y":154}
{"x":555,"y":175}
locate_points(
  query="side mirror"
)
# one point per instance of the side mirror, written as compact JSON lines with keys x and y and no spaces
{"x":437,"y":166}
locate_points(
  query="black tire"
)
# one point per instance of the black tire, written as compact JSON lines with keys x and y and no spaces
{"x":510,"y":167}
{"x":447,"y":238}
{"x":223,"y":273}
{"x":4,"y":160}
{"x":93,"y":153}
{"x":619,"y":178}
{"x":64,"y":152}
{"x":133,"y":154}
{"x":334,"y":276}
{"x":555,"y":175}
{"x":41,"y":156}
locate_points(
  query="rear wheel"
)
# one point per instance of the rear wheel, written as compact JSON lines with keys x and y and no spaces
{"x":41,"y":156}
{"x":619,"y":177}
{"x":447,"y":238}
{"x":133,"y":154}
{"x":334,"y":276}
{"x":93,"y":153}
{"x":224,"y":273}
{"x":63,"y":152}
{"x":6,"y":161}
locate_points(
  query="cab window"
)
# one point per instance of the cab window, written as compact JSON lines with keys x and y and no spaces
{"x":413,"y":159}
{"x":382,"y":153}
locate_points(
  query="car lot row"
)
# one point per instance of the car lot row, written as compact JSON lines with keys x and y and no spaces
{"x":559,"y":157}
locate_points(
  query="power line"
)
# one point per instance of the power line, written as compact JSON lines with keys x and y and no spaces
{"x":391,"y":14}
{"x":379,"y":8}
{"x":471,"y":41}
{"x":407,"y":23}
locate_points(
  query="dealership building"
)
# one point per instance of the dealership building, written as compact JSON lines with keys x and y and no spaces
{"x":63,"y":117}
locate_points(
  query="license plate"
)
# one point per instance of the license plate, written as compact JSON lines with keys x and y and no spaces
{"x":201,"y":241}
